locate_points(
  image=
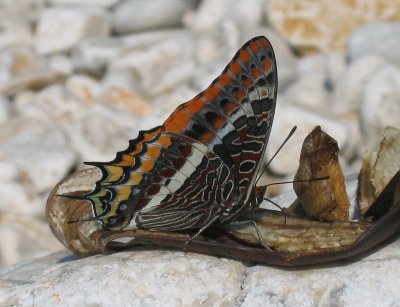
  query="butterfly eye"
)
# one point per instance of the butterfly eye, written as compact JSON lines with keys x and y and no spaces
{"x":112,"y":220}
{"x":123,"y":207}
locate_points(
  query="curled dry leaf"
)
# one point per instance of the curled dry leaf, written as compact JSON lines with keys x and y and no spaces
{"x":325,"y":200}
{"x":378,"y":168}
{"x":295,"y":234}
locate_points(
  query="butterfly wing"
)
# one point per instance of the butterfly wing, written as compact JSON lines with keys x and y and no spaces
{"x":233,"y":116}
{"x":202,"y":162}
{"x":163,"y":181}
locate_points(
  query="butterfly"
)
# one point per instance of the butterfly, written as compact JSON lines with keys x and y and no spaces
{"x":199,"y":167}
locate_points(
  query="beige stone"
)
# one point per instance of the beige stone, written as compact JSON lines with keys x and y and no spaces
{"x":315,"y":26}
{"x":125,"y":100}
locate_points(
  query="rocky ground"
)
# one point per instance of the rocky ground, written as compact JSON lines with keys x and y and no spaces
{"x":78,"y":79}
{"x":165,"y":278}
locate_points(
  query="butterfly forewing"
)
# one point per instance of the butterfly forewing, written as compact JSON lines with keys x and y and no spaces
{"x":201,"y":164}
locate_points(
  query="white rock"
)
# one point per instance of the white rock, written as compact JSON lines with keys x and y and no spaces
{"x":60,"y":63}
{"x":15,"y":30}
{"x":246,"y":13}
{"x":26,"y":9}
{"x":94,"y":54}
{"x":148,"y":38}
{"x":125,"y":100}
{"x":381,"y":103}
{"x":60,"y":29}
{"x":159,"y":66}
{"x":309,"y":92}
{"x":33,"y":81}
{"x":167,"y":278}
{"x":8,"y":170}
{"x":119,"y":78}
{"x":54,"y":101}
{"x":101,"y":3}
{"x":21,"y":68}
{"x":379,"y":38}
{"x":140,"y":15}
{"x":287,"y":116}
{"x":4,"y":109}
{"x":349,"y":90}
{"x":16,"y":199}
{"x":351,"y":150}
{"x":83,"y":88}
{"x":39,"y":151}
{"x":18,"y":61}
{"x":353,"y":284}
{"x":101,"y":132}
{"x":24,"y":237}
{"x":232,"y":18}
{"x":335,"y":67}
{"x":208,"y":16}
{"x":312,"y":64}
{"x":24,"y":105}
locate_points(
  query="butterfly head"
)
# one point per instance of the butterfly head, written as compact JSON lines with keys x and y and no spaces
{"x":258,"y":195}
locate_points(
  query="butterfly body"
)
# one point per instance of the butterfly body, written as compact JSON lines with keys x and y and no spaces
{"x":200,"y":166}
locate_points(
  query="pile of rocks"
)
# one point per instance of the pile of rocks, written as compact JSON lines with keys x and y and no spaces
{"x":78,"y":79}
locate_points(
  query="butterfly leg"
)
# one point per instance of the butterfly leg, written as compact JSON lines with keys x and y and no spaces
{"x":209,"y":223}
{"x":254,"y":224}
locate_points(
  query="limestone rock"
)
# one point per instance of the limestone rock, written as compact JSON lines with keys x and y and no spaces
{"x":84,"y":88}
{"x":54,"y":102}
{"x":93,"y":55}
{"x":60,"y":29}
{"x":100,"y":3}
{"x":39,"y":151}
{"x":326,"y":25}
{"x":309,"y":92}
{"x":15,"y":30}
{"x":336,"y":65}
{"x":24,"y":237}
{"x":139,"y":15}
{"x":18,"y":61}
{"x":381,"y":103}
{"x":125,"y":100}
{"x":60,"y":63}
{"x":33,"y":81}
{"x":381,"y":39}
{"x":101,"y":132}
{"x":288,"y":115}
{"x":171,"y":278}
{"x":4,"y":109}
{"x":349,"y":284}
{"x":27,"y":9}
{"x":152,"y":73}
{"x":349,"y":91}
{"x":207,"y":16}
{"x":15,"y":198}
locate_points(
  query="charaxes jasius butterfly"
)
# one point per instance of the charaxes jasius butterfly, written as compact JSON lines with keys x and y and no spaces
{"x":200,"y":166}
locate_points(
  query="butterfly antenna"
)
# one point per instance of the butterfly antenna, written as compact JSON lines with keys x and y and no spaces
{"x":87,"y":220}
{"x":298,"y":181}
{"x":84,"y":197}
{"x":279,"y":149}
{"x":276,"y":205}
